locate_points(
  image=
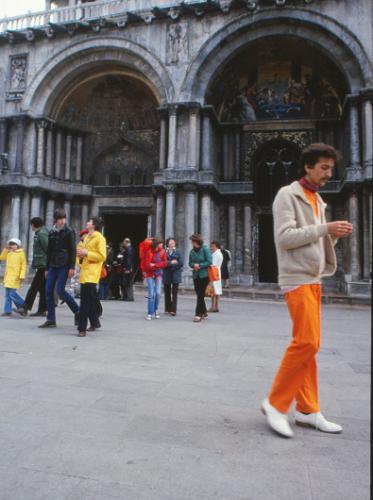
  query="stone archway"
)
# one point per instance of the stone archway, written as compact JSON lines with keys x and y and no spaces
{"x":325,"y":34}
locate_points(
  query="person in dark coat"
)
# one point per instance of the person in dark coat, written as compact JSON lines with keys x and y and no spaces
{"x":128,"y":254}
{"x":225,"y":266}
{"x":172,"y":277}
{"x":39,"y":263}
{"x":61,"y":257}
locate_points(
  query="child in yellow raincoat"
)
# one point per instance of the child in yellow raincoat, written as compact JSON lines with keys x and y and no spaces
{"x":15,"y":272}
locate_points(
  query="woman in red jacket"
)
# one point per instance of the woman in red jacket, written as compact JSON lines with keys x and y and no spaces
{"x":155,"y":261}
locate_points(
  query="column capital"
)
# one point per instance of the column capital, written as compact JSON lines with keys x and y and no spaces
{"x":19,"y":120}
{"x":190,"y":187}
{"x":158,"y":190}
{"x":41,"y":123}
{"x":171,"y":188}
{"x":351,"y":100}
{"x":367,"y":94}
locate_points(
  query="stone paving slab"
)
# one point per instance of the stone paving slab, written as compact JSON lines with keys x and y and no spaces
{"x":169,"y":409}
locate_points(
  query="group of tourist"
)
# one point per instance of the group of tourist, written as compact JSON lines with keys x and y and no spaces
{"x":305,"y":253}
{"x":57,"y":258}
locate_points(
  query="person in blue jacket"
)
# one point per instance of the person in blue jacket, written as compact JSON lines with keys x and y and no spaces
{"x":172,"y":277}
{"x":200,"y":259}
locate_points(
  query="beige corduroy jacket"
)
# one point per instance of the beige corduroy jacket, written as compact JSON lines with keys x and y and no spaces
{"x":297,"y":238}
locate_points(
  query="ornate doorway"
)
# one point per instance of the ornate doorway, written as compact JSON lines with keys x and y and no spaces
{"x":275,"y":165}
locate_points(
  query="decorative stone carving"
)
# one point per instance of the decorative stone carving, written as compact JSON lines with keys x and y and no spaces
{"x":177,"y":43}
{"x":17,"y":77}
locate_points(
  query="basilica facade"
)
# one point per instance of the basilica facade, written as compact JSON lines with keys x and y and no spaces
{"x":168,"y":118}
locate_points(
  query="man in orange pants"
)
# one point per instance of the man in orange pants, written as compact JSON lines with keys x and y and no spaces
{"x":305,"y":253}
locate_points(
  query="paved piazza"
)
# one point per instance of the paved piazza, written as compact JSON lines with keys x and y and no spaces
{"x":169,"y":410}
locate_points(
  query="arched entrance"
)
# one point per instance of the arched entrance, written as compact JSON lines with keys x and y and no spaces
{"x":275,"y":165}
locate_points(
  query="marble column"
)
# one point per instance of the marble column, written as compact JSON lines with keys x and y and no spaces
{"x":49,"y":211}
{"x":68,"y":157}
{"x":205,"y":216}
{"x":206,"y":159}
{"x":232,"y":234}
{"x":159,"y":215}
{"x":163,"y":144}
{"x":237,"y":155}
{"x":49,"y":153}
{"x":58,"y":159}
{"x":247,"y":237}
{"x":40,"y":158}
{"x":354,"y":242}
{"x":67,"y":207}
{"x":35,"y":211}
{"x":149,"y":230}
{"x":20,"y":124}
{"x":79,"y":158}
{"x":190,"y":217}
{"x":15,"y":209}
{"x":194,"y":135}
{"x":170,"y":210}
{"x":84,"y":213}
{"x":354,"y":132}
{"x":25,"y":221}
{"x":367,"y":126}
{"x":172,"y":137}
{"x":225,"y":156}
{"x":3,"y":135}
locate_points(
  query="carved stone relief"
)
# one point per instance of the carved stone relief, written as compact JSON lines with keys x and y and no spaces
{"x":177,"y":42}
{"x":17,"y":79}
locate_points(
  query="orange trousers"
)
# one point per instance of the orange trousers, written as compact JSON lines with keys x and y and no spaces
{"x":297,"y":375}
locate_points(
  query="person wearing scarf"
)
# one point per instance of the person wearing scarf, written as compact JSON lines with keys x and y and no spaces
{"x":305,"y":252}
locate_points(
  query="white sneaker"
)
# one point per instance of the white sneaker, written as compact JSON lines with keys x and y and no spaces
{"x":149,"y":317}
{"x":316,"y":421}
{"x":157,"y":316}
{"x":276,"y":420}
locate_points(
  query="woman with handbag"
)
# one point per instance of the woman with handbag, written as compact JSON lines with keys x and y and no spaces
{"x":217,"y":260}
{"x":172,"y":276}
{"x":200,"y":260}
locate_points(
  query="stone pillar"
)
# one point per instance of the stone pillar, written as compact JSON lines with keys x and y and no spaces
{"x":247,"y":221}
{"x":205,"y":216}
{"x":353,"y":208}
{"x":149,"y":230}
{"x":25,"y":221}
{"x":237,"y":155}
{"x":190,"y":217}
{"x":354,"y":132}
{"x":163,"y":143}
{"x":49,"y":211}
{"x":172,"y":136}
{"x":40,"y":158}
{"x":232,"y":234}
{"x":84,"y":213}
{"x":15,"y":209}
{"x":206,"y":143}
{"x":20,"y":124}
{"x":68,"y":157}
{"x":58,"y":160}
{"x":79,"y":158}
{"x":194,"y":135}
{"x":67,"y":207}
{"x":49,"y":153}
{"x":3,"y":135}
{"x":225,"y":156}
{"x":159,"y":215}
{"x":367,"y":126}
{"x":170,"y":210}
{"x":35,"y":211}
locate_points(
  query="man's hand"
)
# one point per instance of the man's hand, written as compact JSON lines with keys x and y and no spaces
{"x":340,"y":228}
{"x":82,"y":252}
{"x":197,"y":267}
{"x":173,"y":261}
{"x":71,"y":273}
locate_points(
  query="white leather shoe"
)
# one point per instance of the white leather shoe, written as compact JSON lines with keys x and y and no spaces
{"x":276,"y":420}
{"x":316,"y":421}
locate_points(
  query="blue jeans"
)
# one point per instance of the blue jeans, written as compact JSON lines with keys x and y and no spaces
{"x":12,"y":295}
{"x":57,"y":276}
{"x":103,"y":290}
{"x":154,"y":293}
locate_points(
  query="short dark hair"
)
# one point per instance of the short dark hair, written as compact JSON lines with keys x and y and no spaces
{"x":97,"y":222}
{"x":36,"y":221}
{"x":216,"y":243}
{"x":197,"y":238}
{"x":169,"y":239}
{"x":312,"y":153}
{"x":156,"y":241}
{"x":59,"y":213}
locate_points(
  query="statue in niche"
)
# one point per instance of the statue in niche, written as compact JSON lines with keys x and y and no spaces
{"x":177,"y":43}
{"x":18,"y":67}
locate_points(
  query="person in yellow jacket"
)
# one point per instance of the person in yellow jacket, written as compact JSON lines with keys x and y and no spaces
{"x":91,"y":253}
{"x":15,"y":272}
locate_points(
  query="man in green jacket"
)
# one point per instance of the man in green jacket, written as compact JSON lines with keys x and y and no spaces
{"x":39,"y":263}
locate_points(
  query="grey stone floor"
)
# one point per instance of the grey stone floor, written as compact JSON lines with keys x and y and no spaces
{"x":168,"y":409}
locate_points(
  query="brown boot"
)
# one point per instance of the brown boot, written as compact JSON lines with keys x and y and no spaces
{"x":82,"y":334}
